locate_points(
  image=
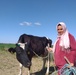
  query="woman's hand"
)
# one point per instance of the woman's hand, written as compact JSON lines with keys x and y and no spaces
{"x":49,"y":48}
{"x":71,"y":64}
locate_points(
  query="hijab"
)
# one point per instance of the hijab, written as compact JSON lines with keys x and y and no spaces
{"x":64,"y":38}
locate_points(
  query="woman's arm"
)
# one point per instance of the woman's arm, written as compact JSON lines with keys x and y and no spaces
{"x":72,"y":42}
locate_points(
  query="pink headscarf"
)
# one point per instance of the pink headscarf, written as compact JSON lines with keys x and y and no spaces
{"x":64,"y":42}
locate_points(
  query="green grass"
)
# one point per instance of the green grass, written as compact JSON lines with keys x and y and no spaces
{"x":4,"y":46}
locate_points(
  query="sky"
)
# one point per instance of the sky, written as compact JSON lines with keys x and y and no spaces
{"x":35,"y":17}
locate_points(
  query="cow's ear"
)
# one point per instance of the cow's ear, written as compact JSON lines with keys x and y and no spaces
{"x":12,"y":50}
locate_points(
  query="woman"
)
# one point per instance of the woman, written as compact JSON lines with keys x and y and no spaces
{"x":65,"y":46}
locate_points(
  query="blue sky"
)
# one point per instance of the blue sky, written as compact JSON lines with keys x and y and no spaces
{"x":35,"y":17}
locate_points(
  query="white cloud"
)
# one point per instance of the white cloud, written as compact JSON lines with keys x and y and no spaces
{"x":26,"y":23}
{"x":37,"y":23}
{"x":29,"y":23}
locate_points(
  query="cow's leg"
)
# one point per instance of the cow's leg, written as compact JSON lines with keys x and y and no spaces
{"x":48,"y":65}
{"x":29,"y":71}
{"x":44,"y":62}
{"x":21,"y":66}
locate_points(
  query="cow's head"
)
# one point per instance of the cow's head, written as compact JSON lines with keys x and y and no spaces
{"x":21,"y":54}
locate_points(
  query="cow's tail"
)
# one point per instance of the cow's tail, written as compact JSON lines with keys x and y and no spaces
{"x":12,"y":50}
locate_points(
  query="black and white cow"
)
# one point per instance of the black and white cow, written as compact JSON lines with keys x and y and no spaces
{"x":29,"y":46}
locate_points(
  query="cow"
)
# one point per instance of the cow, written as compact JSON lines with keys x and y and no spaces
{"x":27,"y":47}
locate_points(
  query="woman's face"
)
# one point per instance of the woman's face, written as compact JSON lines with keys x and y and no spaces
{"x":60,"y":30}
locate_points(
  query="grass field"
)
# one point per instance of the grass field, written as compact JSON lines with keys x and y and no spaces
{"x":10,"y":66}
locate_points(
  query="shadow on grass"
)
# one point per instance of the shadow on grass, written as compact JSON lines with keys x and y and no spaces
{"x":43,"y":71}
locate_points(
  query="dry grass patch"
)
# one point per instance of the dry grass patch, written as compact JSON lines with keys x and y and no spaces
{"x":10,"y":66}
